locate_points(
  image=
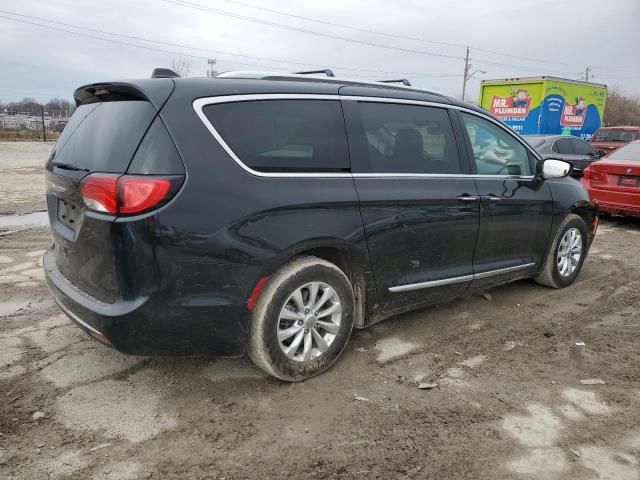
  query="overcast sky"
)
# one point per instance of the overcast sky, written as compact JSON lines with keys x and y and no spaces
{"x":567,"y":34}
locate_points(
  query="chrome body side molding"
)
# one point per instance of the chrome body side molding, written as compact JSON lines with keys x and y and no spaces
{"x":453,"y":280}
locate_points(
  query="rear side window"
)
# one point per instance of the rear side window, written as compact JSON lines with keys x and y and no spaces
{"x":105,"y":135}
{"x":580,"y":147}
{"x":408,"y":139}
{"x":284,"y":135}
{"x":563,"y":146}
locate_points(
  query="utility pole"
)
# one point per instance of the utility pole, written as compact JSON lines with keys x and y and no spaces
{"x":44,"y":128}
{"x":465,"y":77}
{"x":586,"y":73}
{"x":211,"y":72}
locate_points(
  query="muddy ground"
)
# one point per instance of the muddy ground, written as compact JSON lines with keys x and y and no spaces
{"x":510,"y":402}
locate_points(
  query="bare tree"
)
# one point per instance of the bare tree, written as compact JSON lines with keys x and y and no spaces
{"x":181,"y":66}
{"x":621,"y":109}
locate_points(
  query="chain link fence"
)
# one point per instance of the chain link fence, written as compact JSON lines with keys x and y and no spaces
{"x":45,"y":125}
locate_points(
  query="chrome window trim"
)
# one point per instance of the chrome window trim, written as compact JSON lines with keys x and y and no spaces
{"x":199,"y":104}
{"x":453,"y":280}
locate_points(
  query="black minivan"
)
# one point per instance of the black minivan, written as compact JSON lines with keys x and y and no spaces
{"x":273,"y":213}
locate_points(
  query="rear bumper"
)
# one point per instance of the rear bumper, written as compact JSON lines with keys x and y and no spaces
{"x":617,"y":202}
{"x":156,"y":325}
{"x":628,"y":210}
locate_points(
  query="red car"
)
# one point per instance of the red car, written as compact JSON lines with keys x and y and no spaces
{"x":608,"y":139}
{"x":614,"y":181}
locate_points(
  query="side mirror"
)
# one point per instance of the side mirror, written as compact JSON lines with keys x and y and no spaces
{"x":553,"y":168}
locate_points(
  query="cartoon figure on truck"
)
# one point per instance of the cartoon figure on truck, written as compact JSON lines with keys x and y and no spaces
{"x":546,"y":105}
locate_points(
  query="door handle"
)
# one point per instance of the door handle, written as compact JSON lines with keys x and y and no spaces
{"x":468,"y":198}
{"x":492,"y":198}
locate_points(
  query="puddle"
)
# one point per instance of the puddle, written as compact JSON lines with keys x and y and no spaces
{"x":540,"y":428}
{"x":540,"y":462}
{"x":586,"y":401}
{"x":128,"y":408}
{"x":473,"y":362}
{"x":609,"y":463}
{"x":232,"y":369}
{"x":10,"y":308}
{"x":79,"y":366}
{"x":35,"y":219}
{"x":392,"y":348}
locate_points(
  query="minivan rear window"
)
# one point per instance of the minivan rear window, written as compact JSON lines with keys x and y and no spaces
{"x":284,"y":135}
{"x":102,"y":137}
{"x":616,"y":136}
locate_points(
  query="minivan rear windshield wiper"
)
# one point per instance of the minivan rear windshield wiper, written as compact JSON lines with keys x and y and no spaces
{"x":68,"y":166}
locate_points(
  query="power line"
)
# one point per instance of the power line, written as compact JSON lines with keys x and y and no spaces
{"x":365,"y":30}
{"x":204,"y":8}
{"x":218,"y":52}
{"x":349,"y":27}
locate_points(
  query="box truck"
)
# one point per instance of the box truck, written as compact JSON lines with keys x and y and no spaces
{"x":545,"y":105}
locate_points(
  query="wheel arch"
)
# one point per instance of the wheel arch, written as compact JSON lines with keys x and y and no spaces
{"x":352,"y":261}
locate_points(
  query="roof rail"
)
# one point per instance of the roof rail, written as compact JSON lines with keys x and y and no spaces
{"x":164,"y":73}
{"x":250,"y":74}
{"x":403,"y":81}
{"x":326,"y":71}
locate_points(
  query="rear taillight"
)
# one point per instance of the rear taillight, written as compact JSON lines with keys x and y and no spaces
{"x":139,"y":194}
{"x":124,"y":194}
{"x":100,"y":193}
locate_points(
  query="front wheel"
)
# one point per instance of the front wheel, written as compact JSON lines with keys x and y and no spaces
{"x":568,"y":250}
{"x":302,"y":320}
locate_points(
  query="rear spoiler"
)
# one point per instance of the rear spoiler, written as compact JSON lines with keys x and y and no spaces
{"x":156,"y":91}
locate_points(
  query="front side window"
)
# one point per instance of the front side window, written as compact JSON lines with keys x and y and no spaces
{"x":408,"y":139}
{"x":284,"y":135}
{"x":495,"y":151}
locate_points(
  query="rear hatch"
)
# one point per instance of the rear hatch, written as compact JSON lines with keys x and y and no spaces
{"x":114,"y":137}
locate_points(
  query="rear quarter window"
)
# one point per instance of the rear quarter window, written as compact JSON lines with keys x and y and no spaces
{"x":283,"y":135}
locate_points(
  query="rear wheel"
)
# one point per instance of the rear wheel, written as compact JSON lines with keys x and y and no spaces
{"x":302,"y":320}
{"x":564,"y":260}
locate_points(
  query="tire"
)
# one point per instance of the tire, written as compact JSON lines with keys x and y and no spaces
{"x":277,"y":312}
{"x":551,"y":274}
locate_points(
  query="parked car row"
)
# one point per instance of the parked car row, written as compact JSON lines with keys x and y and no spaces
{"x":608,"y":167}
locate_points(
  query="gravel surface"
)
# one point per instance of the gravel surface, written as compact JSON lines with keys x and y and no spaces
{"x":508,"y":401}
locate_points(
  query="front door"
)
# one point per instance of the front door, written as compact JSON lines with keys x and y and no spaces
{"x":515,"y":205}
{"x":420,"y":212}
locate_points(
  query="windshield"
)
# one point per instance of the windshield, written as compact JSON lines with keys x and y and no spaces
{"x":625,"y":136}
{"x":628,"y":152}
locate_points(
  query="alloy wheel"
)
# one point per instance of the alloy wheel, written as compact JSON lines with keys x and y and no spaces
{"x":569,"y":252}
{"x":309,"y":321}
